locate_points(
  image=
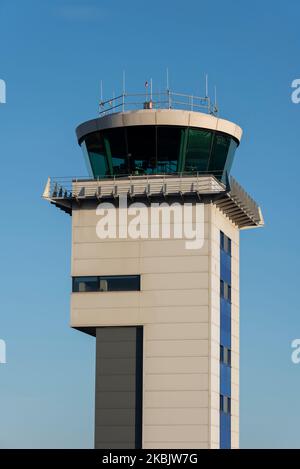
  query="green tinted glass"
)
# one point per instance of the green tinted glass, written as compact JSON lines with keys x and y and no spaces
{"x":219,"y":154}
{"x":141,"y":150}
{"x":198,"y":150}
{"x":232,"y":147}
{"x":97,"y":156}
{"x":116,"y":150}
{"x":168,"y":147}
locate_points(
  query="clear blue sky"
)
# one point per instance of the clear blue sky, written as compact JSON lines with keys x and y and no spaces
{"x":53,"y":55}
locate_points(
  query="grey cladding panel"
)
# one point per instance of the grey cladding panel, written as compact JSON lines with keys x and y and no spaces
{"x":118,"y":415}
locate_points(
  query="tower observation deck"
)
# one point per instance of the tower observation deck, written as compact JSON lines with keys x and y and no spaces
{"x":158,"y":140}
{"x":165,"y":318}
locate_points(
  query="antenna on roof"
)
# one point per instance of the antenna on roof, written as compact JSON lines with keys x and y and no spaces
{"x":112,"y":101}
{"x":206,"y":86}
{"x":123,"y":83}
{"x":168,"y":87}
{"x":101,"y":95}
{"x":168,"y":90}
{"x":215,"y":104}
{"x":123,"y":91}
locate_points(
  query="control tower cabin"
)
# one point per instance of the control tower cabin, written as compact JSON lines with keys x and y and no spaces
{"x":165,"y":315}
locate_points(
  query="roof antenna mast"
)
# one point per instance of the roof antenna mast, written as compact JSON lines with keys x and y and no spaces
{"x":123,"y":91}
{"x":168,"y":90}
{"x":215,"y":104}
{"x":206,"y":86}
{"x":101,"y":96}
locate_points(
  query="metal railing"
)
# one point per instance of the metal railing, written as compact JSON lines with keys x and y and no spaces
{"x":165,"y":100}
{"x":80,"y":187}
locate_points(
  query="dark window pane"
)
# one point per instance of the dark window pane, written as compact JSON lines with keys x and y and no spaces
{"x":85,"y":284}
{"x":229,"y":357}
{"x":229,"y":293}
{"x":222,"y":289}
{"x":229,"y":246}
{"x":198,"y":150}
{"x":97,"y":154}
{"x":228,"y":405}
{"x":120,"y":283}
{"x":221,"y":354}
{"x":141,"y":142}
{"x":225,"y":355}
{"x":168,"y":147}
{"x":225,"y":404}
{"x":219,"y":153}
{"x":225,"y":361}
{"x":115,"y":141}
{"x":107,"y":283}
{"x":230,"y":156}
{"x":87,"y":159}
{"x":221,"y":403}
{"x":222,"y":239}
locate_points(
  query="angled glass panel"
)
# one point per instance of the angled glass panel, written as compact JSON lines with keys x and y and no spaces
{"x":230,"y":156}
{"x":87,"y":159}
{"x":97,"y":154}
{"x":219,"y":153}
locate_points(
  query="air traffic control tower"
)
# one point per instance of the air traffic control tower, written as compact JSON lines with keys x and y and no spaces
{"x":165,"y":317}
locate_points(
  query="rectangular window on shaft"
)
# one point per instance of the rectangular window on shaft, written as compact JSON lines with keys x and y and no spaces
{"x":106,"y":283}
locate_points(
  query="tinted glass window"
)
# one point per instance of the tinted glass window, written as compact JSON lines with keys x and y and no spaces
{"x":222,"y":288}
{"x":85,"y":284}
{"x":225,"y":243}
{"x":116,"y":146}
{"x":225,"y":355}
{"x":229,"y":246}
{"x":142,"y":149}
{"x":151,"y":149}
{"x":168,"y":147}
{"x":198,"y":150}
{"x":122,"y":283}
{"x":106,"y":283}
{"x":225,"y":290}
{"x":222,"y":239}
{"x":97,"y":154}
{"x":219,"y":153}
{"x":230,"y":156}
{"x":225,"y":404}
